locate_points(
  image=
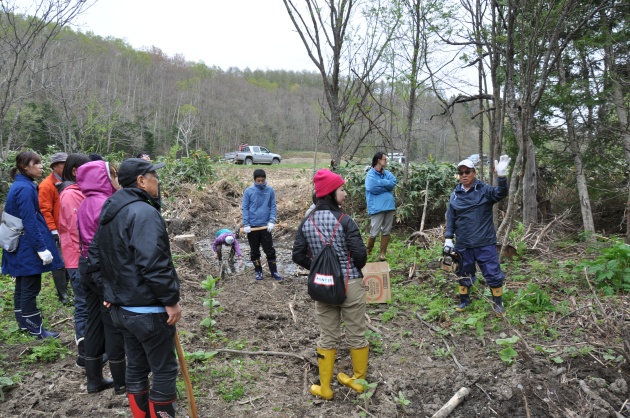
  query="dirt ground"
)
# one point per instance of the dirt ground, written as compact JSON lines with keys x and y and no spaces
{"x":278,"y":317}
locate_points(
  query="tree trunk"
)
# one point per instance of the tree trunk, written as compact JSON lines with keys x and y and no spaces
{"x":585,"y":202}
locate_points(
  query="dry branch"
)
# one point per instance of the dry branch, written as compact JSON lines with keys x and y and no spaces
{"x":452,"y":403}
{"x":266,"y":353}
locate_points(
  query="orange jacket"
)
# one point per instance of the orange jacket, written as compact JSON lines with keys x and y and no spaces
{"x":49,"y":201}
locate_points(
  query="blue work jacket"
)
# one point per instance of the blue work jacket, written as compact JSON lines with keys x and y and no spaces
{"x":469,"y":213}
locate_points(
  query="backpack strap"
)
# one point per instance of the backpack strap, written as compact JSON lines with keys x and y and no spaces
{"x":334,"y":231}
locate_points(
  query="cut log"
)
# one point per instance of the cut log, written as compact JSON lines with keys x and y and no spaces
{"x":452,"y":403}
{"x":185,"y":242}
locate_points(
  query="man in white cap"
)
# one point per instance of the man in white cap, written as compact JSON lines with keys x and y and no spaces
{"x":48,"y":195}
{"x":469,"y":220}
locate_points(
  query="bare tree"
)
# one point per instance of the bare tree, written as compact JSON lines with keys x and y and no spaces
{"x":347,"y":57}
{"x":22,"y":44}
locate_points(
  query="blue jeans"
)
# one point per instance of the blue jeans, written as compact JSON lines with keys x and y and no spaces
{"x":80,"y":305}
{"x":26,"y":290}
{"x":488,"y":260}
{"x":150,"y":347}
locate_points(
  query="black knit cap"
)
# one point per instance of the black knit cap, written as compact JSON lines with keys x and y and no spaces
{"x":131,"y":168}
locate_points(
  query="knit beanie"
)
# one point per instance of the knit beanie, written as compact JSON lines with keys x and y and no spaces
{"x":326,"y":182}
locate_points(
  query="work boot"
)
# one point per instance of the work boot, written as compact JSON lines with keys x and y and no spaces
{"x":464,"y":298}
{"x":139,"y":404}
{"x":497,"y":300}
{"x":326,"y":362}
{"x":94,"y":372}
{"x":19,"y":319}
{"x":384,"y":244}
{"x":162,"y":409}
{"x":61,"y":284}
{"x":35,"y":327}
{"x":81,"y":353}
{"x":370,"y":245}
{"x":118,"y":369}
{"x":273,"y":268}
{"x":359,"y":358}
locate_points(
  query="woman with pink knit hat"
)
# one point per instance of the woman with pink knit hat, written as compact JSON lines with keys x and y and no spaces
{"x":350,"y":250}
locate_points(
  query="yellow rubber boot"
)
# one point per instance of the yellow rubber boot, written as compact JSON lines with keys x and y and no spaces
{"x":359,"y":367}
{"x":497,"y":300}
{"x":326,"y":362}
{"x":464,"y":298}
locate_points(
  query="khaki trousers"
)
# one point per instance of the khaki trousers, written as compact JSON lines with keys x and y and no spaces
{"x":351,"y":312}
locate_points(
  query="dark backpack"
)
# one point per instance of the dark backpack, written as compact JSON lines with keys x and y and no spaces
{"x":325,"y":279}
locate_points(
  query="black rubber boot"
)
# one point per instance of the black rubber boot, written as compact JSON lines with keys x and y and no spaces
{"x":81,"y":353}
{"x":94,"y":372}
{"x":61,"y":284}
{"x":118,"y":369}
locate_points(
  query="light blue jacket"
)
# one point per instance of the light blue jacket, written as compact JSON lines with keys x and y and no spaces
{"x":379,"y":191}
{"x":259,"y":205}
{"x":22,"y":202}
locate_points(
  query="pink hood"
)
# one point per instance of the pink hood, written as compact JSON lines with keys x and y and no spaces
{"x":93,"y":179}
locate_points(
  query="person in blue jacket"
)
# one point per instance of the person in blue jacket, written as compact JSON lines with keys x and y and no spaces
{"x":379,"y":194}
{"x":37,"y":252}
{"x":259,"y":210}
{"x":469,"y":220}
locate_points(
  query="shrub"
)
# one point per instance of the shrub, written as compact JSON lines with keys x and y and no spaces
{"x":611,"y":268}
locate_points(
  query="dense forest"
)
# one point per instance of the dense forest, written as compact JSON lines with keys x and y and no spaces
{"x":550,"y":88}
{"x":88,"y":93}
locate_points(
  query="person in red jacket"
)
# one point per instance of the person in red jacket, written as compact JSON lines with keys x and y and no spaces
{"x":49,"y":206}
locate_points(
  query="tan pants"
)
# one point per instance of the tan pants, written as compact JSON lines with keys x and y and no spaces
{"x":352,"y":313}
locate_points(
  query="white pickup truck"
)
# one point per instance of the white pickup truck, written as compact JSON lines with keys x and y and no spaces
{"x":253,"y":154}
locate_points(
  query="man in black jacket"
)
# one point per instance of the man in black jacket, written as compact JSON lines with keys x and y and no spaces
{"x":141,"y":286}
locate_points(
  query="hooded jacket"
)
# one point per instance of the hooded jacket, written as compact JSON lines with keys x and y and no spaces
{"x":379,"y":193}
{"x":469,"y":214}
{"x":133,"y":252}
{"x":93,"y":179}
{"x":259,"y":205}
{"x":22,"y":202}
{"x":347,"y":241}
{"x":69,"y":201}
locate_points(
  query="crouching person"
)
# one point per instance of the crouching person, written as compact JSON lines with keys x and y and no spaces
{"x":141,"y":286}
{"x":328,"y":222}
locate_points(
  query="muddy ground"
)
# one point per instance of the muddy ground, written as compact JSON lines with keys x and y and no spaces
{"x":411,"y":364}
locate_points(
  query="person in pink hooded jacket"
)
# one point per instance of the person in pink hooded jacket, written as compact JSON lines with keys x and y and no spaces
{"x":70,"y":197}
{"x":98,"y":180}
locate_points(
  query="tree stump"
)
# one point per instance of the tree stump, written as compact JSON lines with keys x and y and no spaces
{"x":185,"y":242}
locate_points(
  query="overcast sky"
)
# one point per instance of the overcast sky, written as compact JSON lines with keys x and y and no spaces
{"x":227,"y":33}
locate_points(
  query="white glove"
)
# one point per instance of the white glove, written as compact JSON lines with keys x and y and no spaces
{"x":54,"y":232}
{"x":46,"y":256}
{"x":240,"y":262}
{"x":502,"y":165}
{"x":270,"y":226}
{"x":449,"y":243}
{"x":247,"y":229}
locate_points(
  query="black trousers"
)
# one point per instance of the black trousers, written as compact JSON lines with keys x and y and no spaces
{"x":100,"y":332}
{"x":258,"y":238}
